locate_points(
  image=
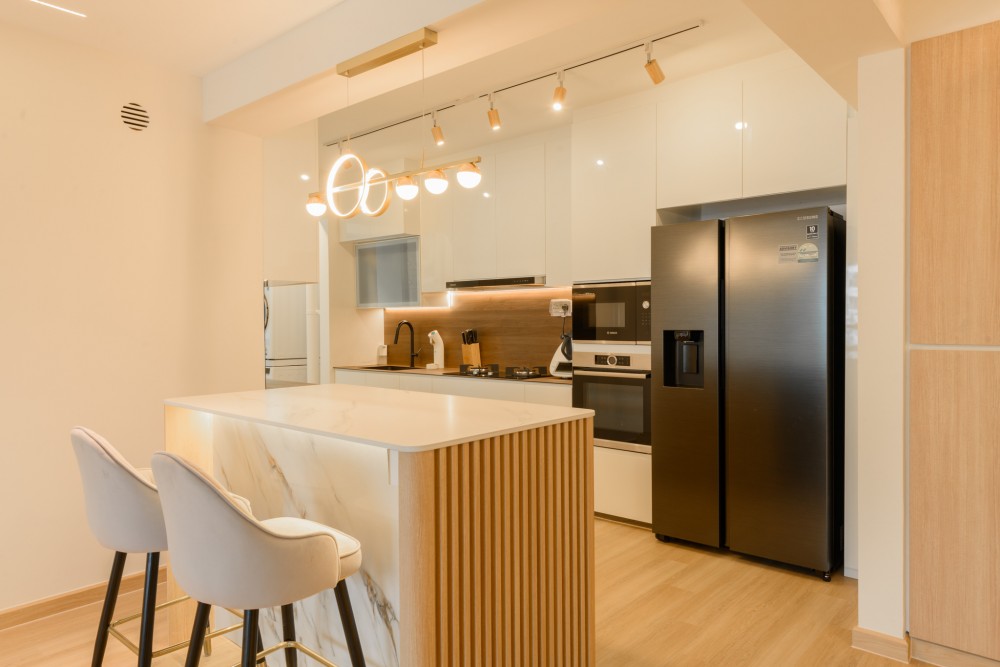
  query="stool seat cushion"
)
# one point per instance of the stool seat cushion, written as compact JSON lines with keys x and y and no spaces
{"x":349,"y":548}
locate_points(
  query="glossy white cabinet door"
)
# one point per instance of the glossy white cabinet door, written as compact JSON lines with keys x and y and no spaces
{"x":414,"y":382}
{"x":435,"y":241}
{"x":796,"y":134}
{"x":613,"y":193}
{"x":699,"y":136}
{"x":350,"y":377}
{"x":623,"y":484}
{"x":474,"y":226}
{"x":548,"y":394}
{"x":519,"y":197}
{"x":502,"y":390}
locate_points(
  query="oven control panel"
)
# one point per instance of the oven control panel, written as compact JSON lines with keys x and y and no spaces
{"x":612,"y":360}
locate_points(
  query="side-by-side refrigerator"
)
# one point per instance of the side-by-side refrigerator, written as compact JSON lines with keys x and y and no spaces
{"x":747,"y":385}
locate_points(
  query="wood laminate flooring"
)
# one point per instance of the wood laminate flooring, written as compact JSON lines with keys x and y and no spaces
{"x":657,"y":605}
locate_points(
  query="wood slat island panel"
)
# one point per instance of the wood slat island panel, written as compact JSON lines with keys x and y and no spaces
{"x":499,"y":544}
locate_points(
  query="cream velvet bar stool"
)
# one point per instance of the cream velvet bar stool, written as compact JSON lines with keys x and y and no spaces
{"x":222,"y":555}
{"x":123,"y":510}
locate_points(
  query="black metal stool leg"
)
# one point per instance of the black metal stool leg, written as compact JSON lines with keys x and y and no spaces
{"x":251,"y":638}
{"x":148,"y":609}
{"x":110,"y":597}
{"x":350,"y":628}
{"x":260,"y":645}
{"x":198,"y":634}
{"x":288,"y":634}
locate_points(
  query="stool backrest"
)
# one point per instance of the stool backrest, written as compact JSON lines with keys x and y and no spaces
{"x":123,"y":507}
{"x":223,"y":556}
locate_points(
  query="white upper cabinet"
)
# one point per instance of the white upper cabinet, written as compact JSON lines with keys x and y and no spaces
{"x":474,"y":226}
{"x":796,"y":133}
{"x":613,"y":193}
{"x":699,"y":141}
{"x":766,"y":127}
{"x":435,"y":241}
{"x":520,"y":211}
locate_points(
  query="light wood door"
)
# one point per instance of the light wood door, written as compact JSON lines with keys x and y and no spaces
{"x":955,"y":499}
{"x":954,"y":177}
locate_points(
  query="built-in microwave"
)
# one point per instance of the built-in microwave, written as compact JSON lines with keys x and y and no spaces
{"x":612,"y":312}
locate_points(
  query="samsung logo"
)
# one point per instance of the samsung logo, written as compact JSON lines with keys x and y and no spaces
{"x":807,"y":217}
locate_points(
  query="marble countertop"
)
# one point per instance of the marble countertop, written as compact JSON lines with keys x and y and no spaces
{"x":450,"y":373}
{"x":409,"y":421}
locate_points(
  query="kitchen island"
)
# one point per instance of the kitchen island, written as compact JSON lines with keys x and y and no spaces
{"x":475,"y":516}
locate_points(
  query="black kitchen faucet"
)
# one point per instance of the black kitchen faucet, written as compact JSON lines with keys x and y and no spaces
{"x":395,"y":340}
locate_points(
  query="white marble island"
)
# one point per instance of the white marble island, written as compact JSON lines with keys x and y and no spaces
{"x":475,"y":515}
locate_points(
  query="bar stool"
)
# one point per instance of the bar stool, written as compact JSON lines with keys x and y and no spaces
{"x":123,"y":510}
{"x":222,"y":555}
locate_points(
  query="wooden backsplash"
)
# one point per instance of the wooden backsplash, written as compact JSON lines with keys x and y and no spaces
{"x":515,"y":328}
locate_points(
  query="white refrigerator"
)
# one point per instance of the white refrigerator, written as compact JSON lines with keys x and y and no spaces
{"x":291,"y":334}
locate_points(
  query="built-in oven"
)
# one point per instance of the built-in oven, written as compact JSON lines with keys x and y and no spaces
{"x":612,"y":312}
{"x":615,"y":384}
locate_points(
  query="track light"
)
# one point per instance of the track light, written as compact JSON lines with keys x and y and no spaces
{"x":493,"y":115}
{"x":436,"y":131}
{"x":435,"y":182}
{"x":406,"y":188}
{"x":653,"y":67}
{"x":468,"y":175}
{"x":559,"y":96}
{"x":315,"y":206}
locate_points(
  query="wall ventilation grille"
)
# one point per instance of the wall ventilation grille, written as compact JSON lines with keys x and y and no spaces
{"x":135,"y":117}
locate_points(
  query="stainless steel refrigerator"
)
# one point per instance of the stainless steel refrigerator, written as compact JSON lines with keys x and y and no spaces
{"x":747,"y":386}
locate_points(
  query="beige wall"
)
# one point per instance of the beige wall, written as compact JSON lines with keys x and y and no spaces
{"x":130,"y":266}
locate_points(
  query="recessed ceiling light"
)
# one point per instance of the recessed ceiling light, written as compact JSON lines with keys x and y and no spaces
{"x":62,"y":9}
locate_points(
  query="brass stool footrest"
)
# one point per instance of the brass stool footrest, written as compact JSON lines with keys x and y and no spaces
{"x":130,"y":645}
{"x":298,"y":647}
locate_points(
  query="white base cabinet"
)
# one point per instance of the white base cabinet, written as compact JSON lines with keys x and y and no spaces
{"x":623,"y":484}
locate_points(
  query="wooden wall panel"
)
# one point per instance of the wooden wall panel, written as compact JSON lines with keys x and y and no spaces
{"x":955,"y":499}
{"x":954,"y":181}
{"x":505,"y":551}
{"x":515,"y":328}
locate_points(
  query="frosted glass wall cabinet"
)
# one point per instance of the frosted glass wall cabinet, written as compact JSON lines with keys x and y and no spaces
{"x":388,"y":273}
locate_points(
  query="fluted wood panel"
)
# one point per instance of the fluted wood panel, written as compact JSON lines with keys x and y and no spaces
{"x":502,"y":537}
{"x":955,"y":499}
{"x":954,"y":172}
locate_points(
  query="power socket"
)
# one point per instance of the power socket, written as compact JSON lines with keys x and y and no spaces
{"x":560,"y":307}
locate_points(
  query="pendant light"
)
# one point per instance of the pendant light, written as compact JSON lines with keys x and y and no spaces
{"x":559,"y":96}
{"x":493,"y":115}
{"x":653,"y":67}
{"x":315,"y":206}
{"x":406,"y":188}
{"x":435,"y":182}
{"x":468,"y":175}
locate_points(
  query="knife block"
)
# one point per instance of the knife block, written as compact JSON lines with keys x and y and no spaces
{"x":470,"y":354}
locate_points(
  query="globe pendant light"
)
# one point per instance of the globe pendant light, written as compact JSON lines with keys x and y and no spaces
{"x":435,"y":182}
{"x":406,"y":188}
{"x":468,"y":175}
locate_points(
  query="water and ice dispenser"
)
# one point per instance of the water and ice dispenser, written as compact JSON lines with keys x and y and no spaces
{"x":683,"y":354}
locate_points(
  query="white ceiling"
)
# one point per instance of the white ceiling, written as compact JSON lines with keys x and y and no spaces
{"x":193,"y":36}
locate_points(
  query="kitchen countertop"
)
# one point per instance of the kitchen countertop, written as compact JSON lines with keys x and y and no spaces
{"x":445,"y":371}
{"x":408,"y":421}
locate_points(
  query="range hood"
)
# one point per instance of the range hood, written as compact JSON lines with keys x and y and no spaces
{"x":497,"y":283}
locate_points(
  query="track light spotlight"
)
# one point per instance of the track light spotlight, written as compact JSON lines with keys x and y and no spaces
{"x":436,"y":131}
{"x":493,"y":115}
{"x":653,"y":67}
{"x":559,"y":96}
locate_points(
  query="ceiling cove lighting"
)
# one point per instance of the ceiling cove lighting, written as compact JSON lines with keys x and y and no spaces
{"x":653,"y":67}
{"x":403,"y":184}
{"x":61,"y":9}
{"x":436,"y":131}
{"x":559,"y":95}
{"x":493,"y":115}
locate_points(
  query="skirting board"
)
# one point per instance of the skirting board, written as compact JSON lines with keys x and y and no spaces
{"x":894,"y":648}
{"x":73,"y":599}
{"x":936,"y":654}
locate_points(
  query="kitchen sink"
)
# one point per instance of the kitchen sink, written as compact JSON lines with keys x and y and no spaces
{"x":385,"y":367}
